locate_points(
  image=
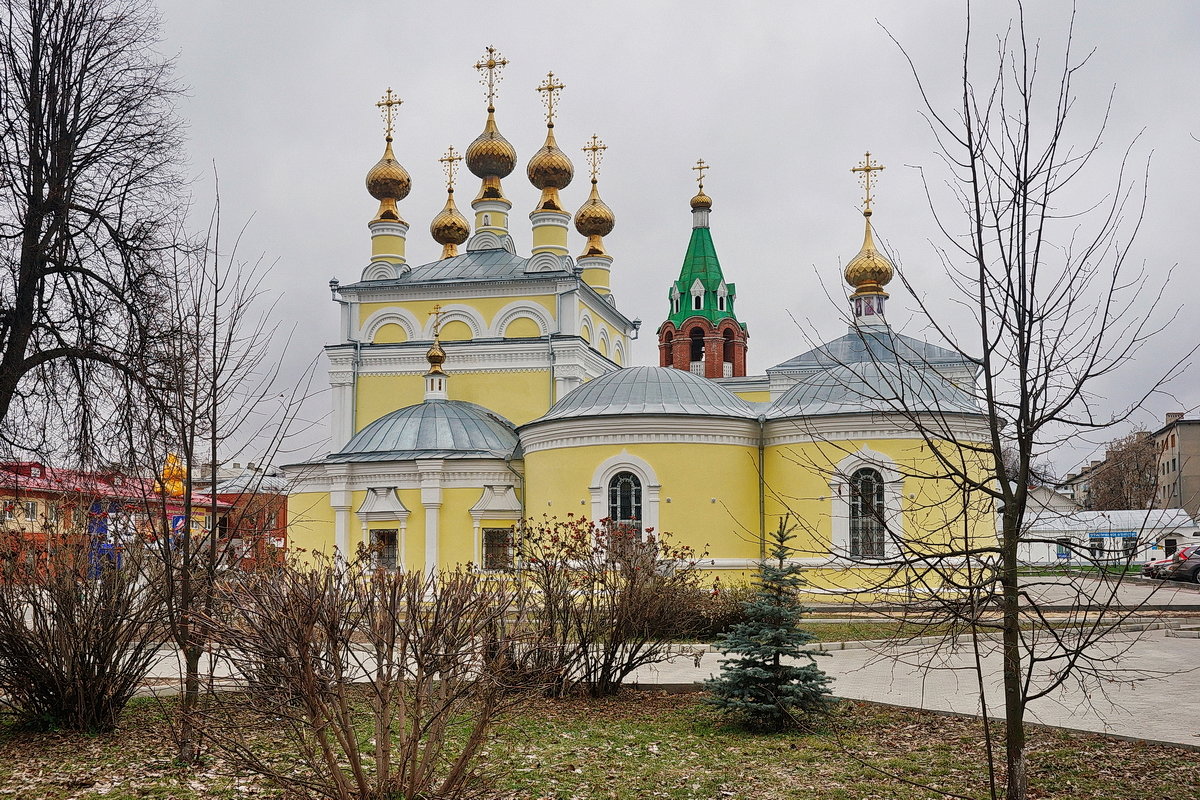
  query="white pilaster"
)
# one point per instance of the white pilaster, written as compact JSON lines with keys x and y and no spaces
{"x":431,"y":476}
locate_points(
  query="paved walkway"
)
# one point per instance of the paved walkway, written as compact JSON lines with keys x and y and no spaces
{"x":1153,"y":696}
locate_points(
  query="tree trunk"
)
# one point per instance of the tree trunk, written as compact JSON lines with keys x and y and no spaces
{"x":1014,"y":695}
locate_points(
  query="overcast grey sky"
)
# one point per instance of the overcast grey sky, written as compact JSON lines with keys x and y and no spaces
{"x":781,"y":98}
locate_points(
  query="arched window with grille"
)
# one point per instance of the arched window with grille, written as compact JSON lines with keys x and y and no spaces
{"x":625,"y":499}
{"x":868,"y":533}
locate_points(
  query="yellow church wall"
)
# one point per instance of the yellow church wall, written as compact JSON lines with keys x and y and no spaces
{"x":597,"y":331}
{"x":456,"y":331}
{"x":932,"y":509}
{"x":391,"y":333}
{"x":312,"y":526}
{"x":517,"y":396}
{"x":692,"y":476}
{"x":763,"y":396}
{"x":522,"y":328}
{"x":310,"y":522}
{"x":381,"y":394}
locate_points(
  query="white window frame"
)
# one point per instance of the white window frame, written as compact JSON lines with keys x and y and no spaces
{"x":626,"y":462}
{"x":893,"y":491}
{"x":697,"y":293}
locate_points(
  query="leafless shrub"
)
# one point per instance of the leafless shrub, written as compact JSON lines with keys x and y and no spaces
{"x":609,"y":596}
{"x":386,"y":684}
{"x":80,"y":627}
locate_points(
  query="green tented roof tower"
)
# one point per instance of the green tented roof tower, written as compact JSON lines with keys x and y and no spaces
{"x":702,"y":333}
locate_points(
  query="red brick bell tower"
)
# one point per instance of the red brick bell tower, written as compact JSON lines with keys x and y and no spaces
{"x":702,"y":333}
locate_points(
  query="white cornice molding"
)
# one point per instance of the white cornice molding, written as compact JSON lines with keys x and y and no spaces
{"x":878,"y":425}
{"x":461,"y":291}
{"x":361,"y":476}
{"x":585,"y":432}
{"x":572,"y":357}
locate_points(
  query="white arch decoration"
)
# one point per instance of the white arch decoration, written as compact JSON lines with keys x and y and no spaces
{"x":603,"y":346}
{"x":626,"y":462}
{"x":586,"y":324}
{"x":380,"y":271}
{"x":517,"y":309}
{"x":459,"y":313}
{"x":893,"y":490}
{"x":618,"y":354}
{"x":386,"y":316}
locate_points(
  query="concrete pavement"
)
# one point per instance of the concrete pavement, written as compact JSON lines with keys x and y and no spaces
{"x":1149,"y":693}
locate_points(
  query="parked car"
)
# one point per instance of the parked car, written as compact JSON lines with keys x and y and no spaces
{"x":1154,"y":569}
{"x":1185,"y":565}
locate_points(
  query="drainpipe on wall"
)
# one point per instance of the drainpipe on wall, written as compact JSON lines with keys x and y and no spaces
{"x":550,"y":352}
{"x":762,"y":487}
{"x":520,"y":482}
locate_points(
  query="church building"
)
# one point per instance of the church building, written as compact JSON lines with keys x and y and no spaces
{"x":491,"y":386}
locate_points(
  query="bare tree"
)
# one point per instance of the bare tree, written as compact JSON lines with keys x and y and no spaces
{"x":1128,"y":476}
{"x":89,"y":198}
{"x":218,"y":355}
{"x":1056,"y":306}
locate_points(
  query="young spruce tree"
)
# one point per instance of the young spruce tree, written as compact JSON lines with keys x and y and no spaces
{"x":761,"y":685}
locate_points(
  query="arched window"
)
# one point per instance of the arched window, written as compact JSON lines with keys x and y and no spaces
{"x":728,"y":351}
{"x":868,"y":533}
{"x":697,"y":336}
{"x":625,"y":499}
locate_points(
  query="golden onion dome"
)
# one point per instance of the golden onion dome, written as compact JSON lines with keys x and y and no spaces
{"x":449,"y":226}
{"x":701,"y":200}
{"x":550,"y":168}
{"x":388,"y":180}
{"x":436,"y":356}
{"x":594,"y":217}
{"x":868,"y":272}
{"x":491,"y":155}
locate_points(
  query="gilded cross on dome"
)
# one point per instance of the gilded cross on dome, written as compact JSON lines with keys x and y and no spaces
{"x":866,"y":168}
{"x":550,"y":89}
{"x":700,"y":167}
{"x":450,"y":166}
{"x":387,"y":105}
{"x":595,"y":154}
{"x":493,"y":65}
{"x":437,"y":313}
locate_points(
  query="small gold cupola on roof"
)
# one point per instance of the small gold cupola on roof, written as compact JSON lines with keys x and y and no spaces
{"x":869,"y":271}
{"x":491,"y":157}
{"x":388,"y":182}
{"x":436,"y":379}
{"x":450,"y":228}
{"x":595,"y":220}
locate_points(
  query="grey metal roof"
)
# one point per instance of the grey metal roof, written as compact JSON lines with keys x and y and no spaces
{"x":249,"y":482}
{"x":872,"y":344}
{"x":433,"y":429}
{"x":473,"y":265}
{"x":871,"y":386}
{"x":649,"y":390}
